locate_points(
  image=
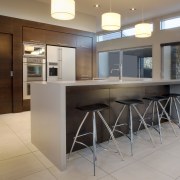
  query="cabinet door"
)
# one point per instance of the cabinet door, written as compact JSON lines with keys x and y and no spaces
{"x":54,"y":53}
{"x":5,"y":69}
{"x":60,"y":39}
{"x":68,"y":64}
{"x":84,"y":58}
{"x":84,"y":64}
{"x":33,"y":35}
{"x":84,"y":42}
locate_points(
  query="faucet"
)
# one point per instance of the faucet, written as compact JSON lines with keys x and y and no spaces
{"x":119,"y":69}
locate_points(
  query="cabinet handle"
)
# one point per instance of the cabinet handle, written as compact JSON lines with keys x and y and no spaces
{"x":62,"y":44}
{"x":35,"y":41}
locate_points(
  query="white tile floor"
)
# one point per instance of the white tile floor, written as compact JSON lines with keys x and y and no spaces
{"x":20,"y":160}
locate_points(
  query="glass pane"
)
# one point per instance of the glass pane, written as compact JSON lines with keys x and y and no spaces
{"x":170,"y":23}
{"x":128,"y":32}
{"x":137,"y":62}
{"x":171,"y":61}
{"x":105,"y":37}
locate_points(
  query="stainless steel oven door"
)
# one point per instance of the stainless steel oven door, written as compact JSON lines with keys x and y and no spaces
{"x":34,"y":72}
{"x":26,"y":90}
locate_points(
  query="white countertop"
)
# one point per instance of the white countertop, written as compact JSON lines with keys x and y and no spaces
{"x":123,"y":83}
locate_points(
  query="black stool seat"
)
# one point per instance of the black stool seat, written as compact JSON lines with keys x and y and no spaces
{"x":171,"y":95}
{"x":93,"y":107}
{"x":129,"y":102}
{"x":154,"y":98}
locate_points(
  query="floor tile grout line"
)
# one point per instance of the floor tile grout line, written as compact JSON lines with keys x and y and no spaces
{"x":30,"y":174}
{"x":96,"y":164}
{"x":157,"y":170}
{"x":15,"y":157}
{"x":25,"y":144}
{"x":109,"y":173}
{"x":52,"y":173}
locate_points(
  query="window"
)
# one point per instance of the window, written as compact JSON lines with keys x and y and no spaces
{"x":106,"y":37}
{"x":136,"y":62}
{"x":128,"y":32}
{"x":170,"y":23}
{"x":131,"y":31}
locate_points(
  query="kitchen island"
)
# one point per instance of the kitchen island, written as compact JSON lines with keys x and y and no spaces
{"x":55,"y":119}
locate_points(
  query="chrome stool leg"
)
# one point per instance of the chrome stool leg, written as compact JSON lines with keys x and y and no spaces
{"x":77,"y":133}
{"x":115,"y":125}
{"x":175,"y":99}
{"x":149,"y":105}
{"x":168,"y":118}
{"x":159,"y":122}
{"x":111,"y":134}
{"x":144,"y":123}
{"x":94,"y":141}
{"x":131,"y":129}
{"x":153,"y":115}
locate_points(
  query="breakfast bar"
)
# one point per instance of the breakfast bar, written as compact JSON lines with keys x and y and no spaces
{"x":55,"y":119}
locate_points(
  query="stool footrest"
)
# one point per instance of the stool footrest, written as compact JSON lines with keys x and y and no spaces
{"x":85,"y":134}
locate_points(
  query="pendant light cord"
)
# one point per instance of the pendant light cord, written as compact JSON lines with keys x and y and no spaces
{"x":110,"y":5}
{"x":142,"y":14}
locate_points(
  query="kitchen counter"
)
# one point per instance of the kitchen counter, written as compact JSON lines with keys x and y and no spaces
{"x":54,"y":117}
{"x":121,"y":83}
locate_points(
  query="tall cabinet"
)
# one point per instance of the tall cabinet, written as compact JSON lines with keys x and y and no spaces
{"x":83,"y":45}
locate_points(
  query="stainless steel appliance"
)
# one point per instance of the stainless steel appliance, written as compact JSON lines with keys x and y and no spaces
{"x":34,"y":69}
{"x":34,"y":66}
{"x":60,"y":63}
{"x":34,"y":50}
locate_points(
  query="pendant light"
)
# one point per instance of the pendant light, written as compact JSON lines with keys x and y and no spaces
{"x":63,"y":9}
{"x":111,"y":21}
{"x":143,"y":30}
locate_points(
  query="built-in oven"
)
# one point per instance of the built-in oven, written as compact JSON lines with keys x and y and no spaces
{"x":34,"y":69}
{"x":34,"y":65}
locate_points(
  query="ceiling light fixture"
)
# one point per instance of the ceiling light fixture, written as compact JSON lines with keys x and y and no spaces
{"x":96,"y":5}
{"x":111,"y":21}
{"x":63,"y":9}
{"x":132,"y":9}
{"x":143,"y":30}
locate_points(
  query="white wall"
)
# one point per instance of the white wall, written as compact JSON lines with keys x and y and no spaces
{"x":158,"y":37}
{"x":40,"y":12}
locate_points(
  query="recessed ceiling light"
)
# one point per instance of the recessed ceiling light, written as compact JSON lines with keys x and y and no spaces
{"x":97,"y":5}
{"x":132,"y":9}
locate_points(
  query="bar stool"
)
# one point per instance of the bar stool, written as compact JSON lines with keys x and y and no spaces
{"x":172,"y":99}
{"x":94,"y":108}
{"x":155,"y":101}
{"x":131,"y":104}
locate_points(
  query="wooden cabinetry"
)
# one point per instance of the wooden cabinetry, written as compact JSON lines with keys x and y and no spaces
{"x":84,"y":58}
{"x":60,"y":39}
{"x":83,"y":44}
{"x":33,"y":35}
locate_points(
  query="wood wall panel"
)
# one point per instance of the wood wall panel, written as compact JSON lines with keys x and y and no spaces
{"x":79,"y":96}
{"x":35,"y":32}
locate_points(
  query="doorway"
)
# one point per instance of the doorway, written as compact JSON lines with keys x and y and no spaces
{"x":5,"y":73}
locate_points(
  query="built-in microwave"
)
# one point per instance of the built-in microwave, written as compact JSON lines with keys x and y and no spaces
{"x":34,"y":50}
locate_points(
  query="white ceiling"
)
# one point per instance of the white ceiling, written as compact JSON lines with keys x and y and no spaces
{"x":150,"y":8}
